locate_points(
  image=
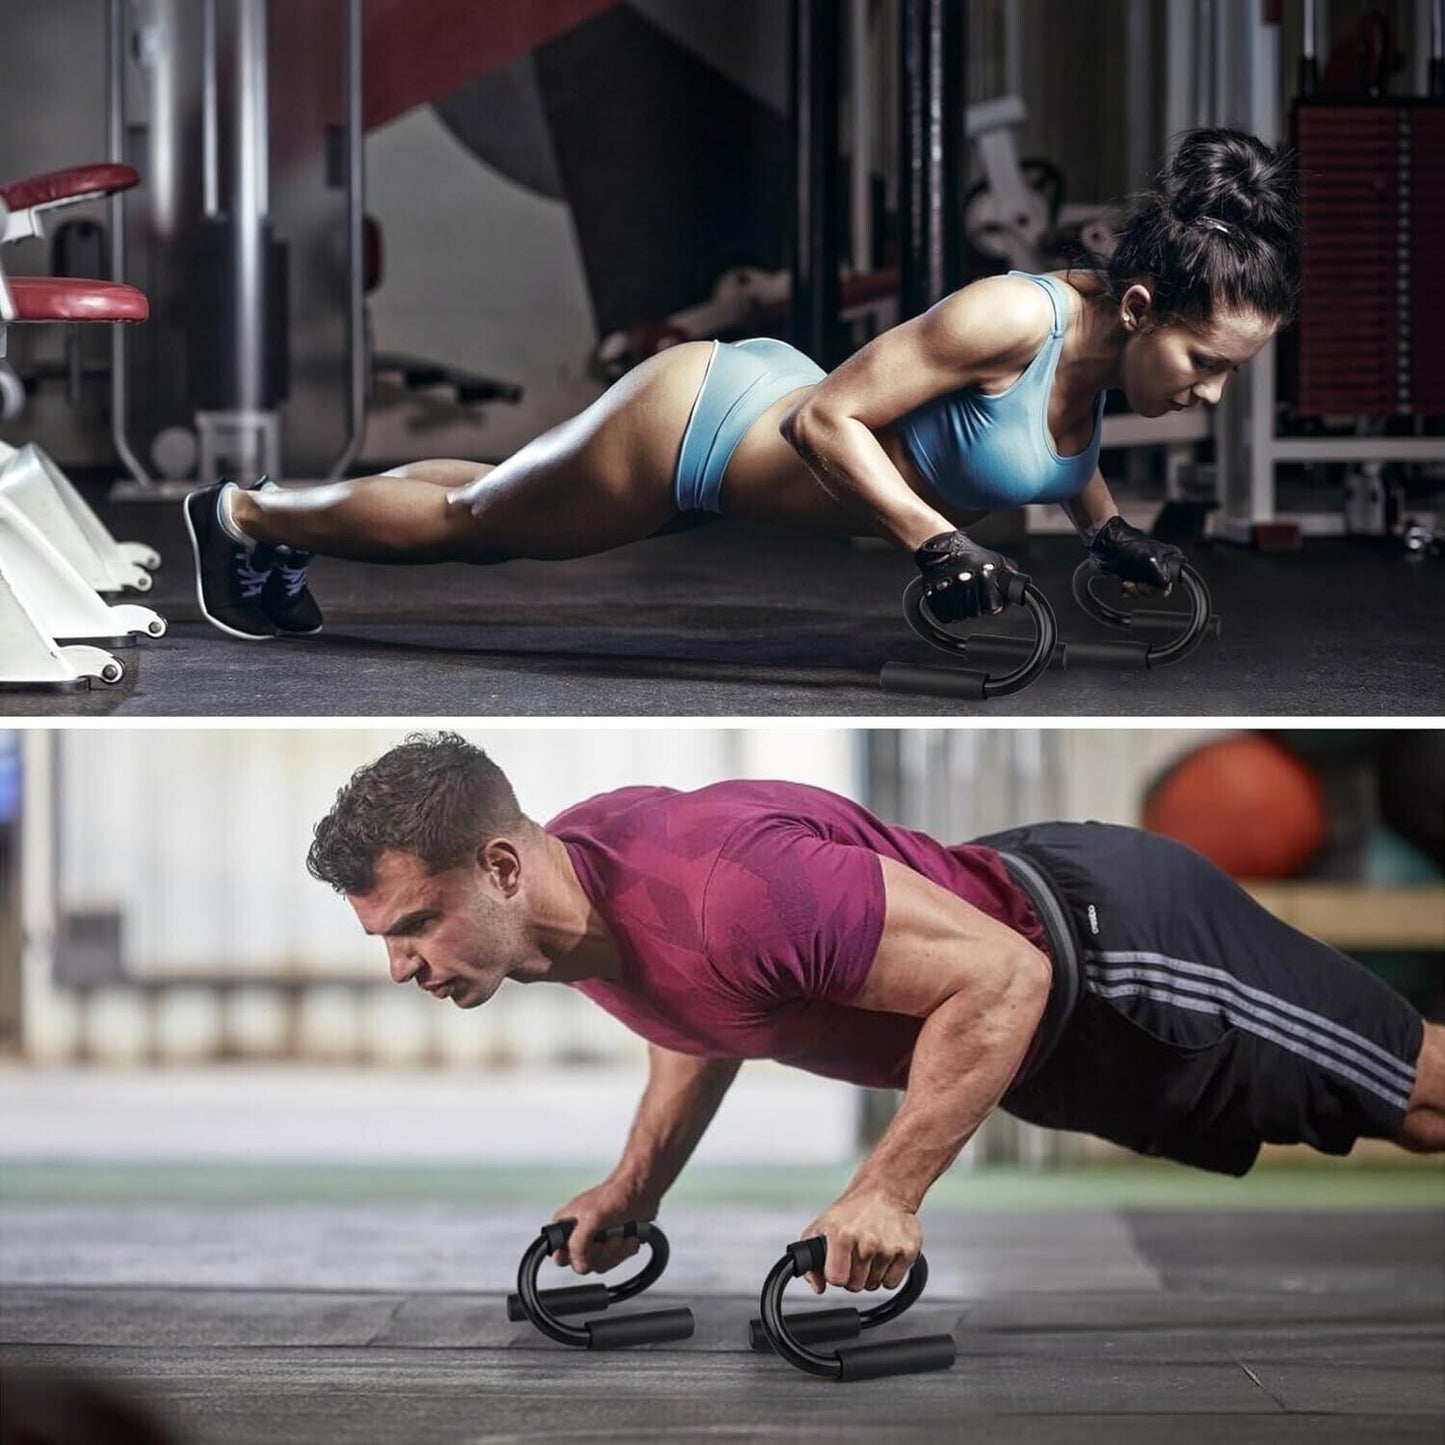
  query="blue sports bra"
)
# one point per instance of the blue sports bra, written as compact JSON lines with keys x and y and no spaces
{"x":980,"y":451}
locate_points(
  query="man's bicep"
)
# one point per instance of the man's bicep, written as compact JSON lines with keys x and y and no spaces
{"x":935,"y":945}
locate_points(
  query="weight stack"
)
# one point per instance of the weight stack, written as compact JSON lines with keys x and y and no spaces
{"x":1370,"y":339}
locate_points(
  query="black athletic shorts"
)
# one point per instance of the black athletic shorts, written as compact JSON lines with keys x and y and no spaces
{"x":1205,"y":1026}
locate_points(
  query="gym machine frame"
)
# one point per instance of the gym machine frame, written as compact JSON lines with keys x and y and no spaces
{"x":238,"y":421}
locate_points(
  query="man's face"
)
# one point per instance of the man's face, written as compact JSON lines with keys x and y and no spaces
{"x":1174,"y":366}
{"x":457,"y":933}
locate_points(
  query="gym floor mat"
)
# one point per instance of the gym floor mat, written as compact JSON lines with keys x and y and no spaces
{"x":740,"y":620}
{"x":359,"y":1322}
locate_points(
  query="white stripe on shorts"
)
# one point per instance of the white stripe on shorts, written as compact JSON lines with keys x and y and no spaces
{"x":1237,"y":1006}
{"x":1202,"y":989}
{"x":1308,"y":1020}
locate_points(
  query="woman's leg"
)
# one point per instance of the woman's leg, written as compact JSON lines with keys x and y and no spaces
{"x":442,"y":471}
{"x":399,"y":516}
{"x":599,"y":480}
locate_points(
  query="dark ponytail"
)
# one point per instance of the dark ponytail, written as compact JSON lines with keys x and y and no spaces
{"x":1219,"y":229}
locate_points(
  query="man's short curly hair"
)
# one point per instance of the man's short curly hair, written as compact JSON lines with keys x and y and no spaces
{"x":436,"y":796}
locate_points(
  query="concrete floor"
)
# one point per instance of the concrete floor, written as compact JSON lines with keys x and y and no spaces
{"x":735,"y":620}
{"x":384,"y":1322}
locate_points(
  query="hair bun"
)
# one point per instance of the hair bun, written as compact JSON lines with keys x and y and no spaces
{"x":1218,"y":229}
{"x":1233,"y":178}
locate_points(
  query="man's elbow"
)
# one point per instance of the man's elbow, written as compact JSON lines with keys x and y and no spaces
{"x":1031,"y":981}
{"x":1011,"y":997}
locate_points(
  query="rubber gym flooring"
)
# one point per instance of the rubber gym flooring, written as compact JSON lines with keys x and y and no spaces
{"x":738,"y":620}
{"x":1122,"y":1303}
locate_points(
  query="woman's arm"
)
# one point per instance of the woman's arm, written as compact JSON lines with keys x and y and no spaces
{"x":1091,"y":508}
{"x":1144,"y":564}
{"x":990,"y":328}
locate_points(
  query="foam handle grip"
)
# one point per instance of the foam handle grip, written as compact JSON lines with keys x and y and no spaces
{"x":811,"y":1328}
{"x":938,"y":681}
{"x":644,"y":1329}
{"x":1155,"y":622}
{"x":575,"y":1299}
{"x":896,"y":1357}
{"x":808,"y":1254}
{"x":999,"y":649}
{"x":1107,"y":654}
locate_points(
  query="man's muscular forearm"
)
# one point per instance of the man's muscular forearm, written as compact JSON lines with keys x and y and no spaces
{"x":968,"y":1052}
{"x":682,"y":1095}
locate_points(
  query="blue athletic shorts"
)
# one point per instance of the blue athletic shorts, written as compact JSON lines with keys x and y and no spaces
{"x":743,"y":379}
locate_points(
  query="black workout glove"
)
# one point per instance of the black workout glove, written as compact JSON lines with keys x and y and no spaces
{"x":960,"y":578}
{"x":1134,"y":556}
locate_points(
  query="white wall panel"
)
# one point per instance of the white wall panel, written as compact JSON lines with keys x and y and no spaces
{"x":200,"y":835}
{"x":1105,"y":771}
{"x":324,"y":933}
{"x":825,"y":757}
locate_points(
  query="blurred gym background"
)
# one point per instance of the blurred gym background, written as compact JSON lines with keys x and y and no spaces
{"x":553,"y":190}
{"x":175,"y":989}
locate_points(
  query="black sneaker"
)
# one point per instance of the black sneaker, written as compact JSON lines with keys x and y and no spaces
{"x":229,"y":581}
{"x":285,"y":598}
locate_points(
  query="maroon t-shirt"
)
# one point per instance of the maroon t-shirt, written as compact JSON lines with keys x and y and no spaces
{"x":748,"y":915}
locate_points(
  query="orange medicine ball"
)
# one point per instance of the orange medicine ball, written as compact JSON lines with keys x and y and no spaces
{"x":1249,"y":806}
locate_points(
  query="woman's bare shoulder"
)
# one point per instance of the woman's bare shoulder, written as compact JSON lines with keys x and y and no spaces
{"x":1003,"y":318}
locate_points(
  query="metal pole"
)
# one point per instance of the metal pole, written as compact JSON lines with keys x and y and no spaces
{"x":115,"y":52}
{"x":1013,"y":49}
{"x":912,"y":179}
{"x":1181,"y":84}
{"x":817,"y":49}
{"x":210,"y":115}
{"x":947,"y":145}
{"x":932,"y":52}
{"x":861,"y":105}
{"x":250,"y":204}
{"x":1206,"y":94}
{"x":1436,"y":80}
{"x":1265,"y":121}
{"x":1309,"y":71}
{"x":1222,"y":59}
{"x":1230,"y":425}
{"x":1139,"y":102}
{"x":1263,"y":55}
{"x":355,"y":212}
